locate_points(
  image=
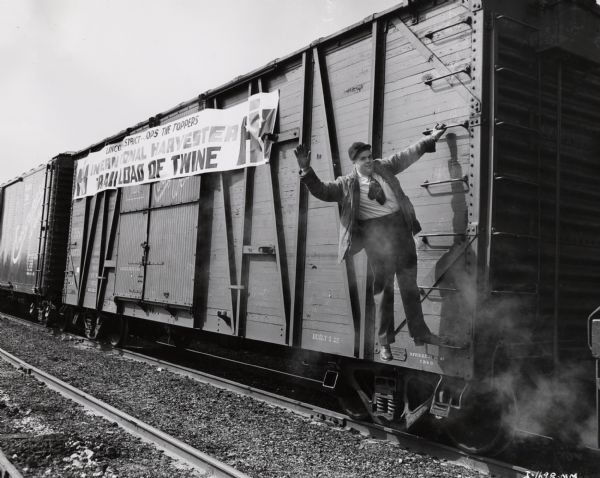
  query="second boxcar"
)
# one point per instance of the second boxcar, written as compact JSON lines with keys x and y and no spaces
{"x":34,"y":224}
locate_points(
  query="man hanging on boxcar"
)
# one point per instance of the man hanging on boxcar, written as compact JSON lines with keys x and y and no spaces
{"x":377,"y":215}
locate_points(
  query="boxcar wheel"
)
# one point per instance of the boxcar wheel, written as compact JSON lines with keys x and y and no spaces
{"x":117,"y":332}
{"x":350,"y":401}
{"x":47,"y":315}
{"x":64,"y":320}
{"x":485,"y":423}
{"x":181,"y":338}
{"x":91,"y":325}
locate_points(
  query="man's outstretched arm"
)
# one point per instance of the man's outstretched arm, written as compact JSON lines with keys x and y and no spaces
{"x":402,"y":160}
{"x":330,"y":191}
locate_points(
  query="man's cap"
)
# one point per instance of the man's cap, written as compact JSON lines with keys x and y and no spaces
{"x":357,"y":148}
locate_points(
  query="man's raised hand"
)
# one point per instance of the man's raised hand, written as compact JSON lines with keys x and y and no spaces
{"x":303,"y":156}
{"x":439,"y":130}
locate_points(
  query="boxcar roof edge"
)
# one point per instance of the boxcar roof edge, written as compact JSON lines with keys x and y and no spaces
{"x":25,"y":174}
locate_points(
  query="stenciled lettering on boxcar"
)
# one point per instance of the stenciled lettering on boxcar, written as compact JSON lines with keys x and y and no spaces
{"x":332,"y":339}
{"x":19,"y":238}
{"x":209,"y":141}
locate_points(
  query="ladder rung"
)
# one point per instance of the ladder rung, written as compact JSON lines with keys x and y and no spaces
{"x":443,"y":234}
{"x":467,"y":20}
{"x":518,"y":22}
{"x":464,"y":179}
{"x":501,"y":69}
{"x":514,"y":291}
{"x":514,"y":234}
{"x":516,"y":126}
{"x":422,"y":289}
{"x":516,"y":179}
{"x":467,"y":69}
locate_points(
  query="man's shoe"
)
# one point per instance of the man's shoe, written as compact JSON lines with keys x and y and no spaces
{"x":386,"y":353}
{"x":441,"y":341}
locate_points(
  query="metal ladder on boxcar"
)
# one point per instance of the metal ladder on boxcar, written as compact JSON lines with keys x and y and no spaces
{"x":513,"y":255}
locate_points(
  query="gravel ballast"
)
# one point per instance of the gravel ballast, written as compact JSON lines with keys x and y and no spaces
{"x":249,"y":435}
{"x":45,"y":434}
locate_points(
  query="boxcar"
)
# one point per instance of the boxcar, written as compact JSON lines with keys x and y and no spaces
{"x":508,"y":259}
{"x":34,"y":224}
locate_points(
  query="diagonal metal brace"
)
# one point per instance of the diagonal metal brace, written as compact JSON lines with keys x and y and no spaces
{"x":438,"y":64}
{"x":455,"y":254}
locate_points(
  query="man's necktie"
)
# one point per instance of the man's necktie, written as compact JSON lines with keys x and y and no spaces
{"x":376,"y":191}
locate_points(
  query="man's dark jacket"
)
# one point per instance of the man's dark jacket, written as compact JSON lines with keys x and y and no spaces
{"x":346,"y":190}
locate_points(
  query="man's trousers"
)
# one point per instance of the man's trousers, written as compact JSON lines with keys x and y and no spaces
{"x":391,"y":251}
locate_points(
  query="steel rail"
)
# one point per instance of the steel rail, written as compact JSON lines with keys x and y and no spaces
{"x":410,"y":442}
{"x":170,"y":445}
{"x":206,"y":354}
{"x":7,"y":469}
{"x":406,"y":440}
{"x":246,"y":364}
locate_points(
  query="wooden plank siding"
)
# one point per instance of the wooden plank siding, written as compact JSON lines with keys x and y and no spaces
{"x":333,"y":299}
{"x":366,"y":84}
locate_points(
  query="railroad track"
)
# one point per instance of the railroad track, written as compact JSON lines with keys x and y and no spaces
{"x":406,"y":440}
{"x":195,"y":458}
{"x":7,"y":469}
{"x":170,"y":445}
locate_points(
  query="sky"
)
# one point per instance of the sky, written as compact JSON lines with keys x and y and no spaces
{"x":75,"y":72}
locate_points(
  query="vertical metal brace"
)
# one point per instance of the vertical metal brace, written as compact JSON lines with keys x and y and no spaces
{"x":295,"y":332}
{"x":243,"y":272}
{"x":235,"y":293}
{"x":280,"y":249}
{"x":108,"y":254}
{"x":203,"y":236}
{"x":147,"y":246}
{"x":86,"y":252}
{"x":101,"y":279}
{"x":349,"y":275}
{"x":376,"y":109}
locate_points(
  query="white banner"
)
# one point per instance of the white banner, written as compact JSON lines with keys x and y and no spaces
{"x":208,"y":141}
